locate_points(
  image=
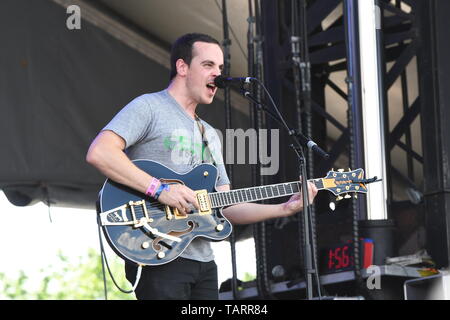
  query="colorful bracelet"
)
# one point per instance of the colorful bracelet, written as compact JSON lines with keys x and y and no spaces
{"x":161,"y":188}
{"x":151,"y":190}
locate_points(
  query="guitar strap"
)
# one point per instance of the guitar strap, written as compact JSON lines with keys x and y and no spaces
{"x":201,"y":127}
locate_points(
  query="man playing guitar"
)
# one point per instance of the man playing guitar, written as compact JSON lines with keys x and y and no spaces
{"x":163,"y":127}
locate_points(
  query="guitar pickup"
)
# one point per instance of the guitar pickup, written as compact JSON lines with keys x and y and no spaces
{"x":203,"y":202}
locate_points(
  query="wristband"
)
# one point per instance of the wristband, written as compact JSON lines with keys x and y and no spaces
{"x":151,"y":190}
{"x":161,"y":188}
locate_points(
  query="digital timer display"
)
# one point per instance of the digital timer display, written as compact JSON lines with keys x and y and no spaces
{"x":340,"y":257}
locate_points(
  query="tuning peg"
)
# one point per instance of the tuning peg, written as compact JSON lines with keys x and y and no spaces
{"x":349,"y":170}
{"x":355,"y":196}
{"x":340,"y":170}
{"x":347,"y":196}
{"x":339,"y":198}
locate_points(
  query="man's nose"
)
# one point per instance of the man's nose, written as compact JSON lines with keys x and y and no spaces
{"x":217,"y":71}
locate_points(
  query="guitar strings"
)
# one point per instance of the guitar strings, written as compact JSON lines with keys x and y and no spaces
{"x":155,"y":207}
{"x":161,"y":207}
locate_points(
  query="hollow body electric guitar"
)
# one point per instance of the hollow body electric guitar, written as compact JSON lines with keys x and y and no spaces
{"x":144,"y":231}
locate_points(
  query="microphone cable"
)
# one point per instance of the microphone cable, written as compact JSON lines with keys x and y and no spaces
{"x":105,"y":261}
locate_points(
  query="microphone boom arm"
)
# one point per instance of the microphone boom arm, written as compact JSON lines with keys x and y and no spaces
{"x":298,"y":137}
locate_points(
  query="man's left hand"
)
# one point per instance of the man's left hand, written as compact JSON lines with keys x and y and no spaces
{"x":295,"y":203}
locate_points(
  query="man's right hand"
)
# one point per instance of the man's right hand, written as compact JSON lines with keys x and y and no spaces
{"x":179,"y":196}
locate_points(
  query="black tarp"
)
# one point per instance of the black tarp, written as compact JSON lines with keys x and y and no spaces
{"x":58,"y":88}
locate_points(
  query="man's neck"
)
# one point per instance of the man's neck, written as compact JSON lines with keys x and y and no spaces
{"x":178,"y":92}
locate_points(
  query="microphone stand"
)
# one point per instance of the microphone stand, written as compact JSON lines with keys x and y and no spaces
{"x":297,"y":137}
{"x":303,"y":140}
{"x":226,"y":71}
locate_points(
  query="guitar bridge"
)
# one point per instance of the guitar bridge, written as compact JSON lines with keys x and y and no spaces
{"x":175,"y":214}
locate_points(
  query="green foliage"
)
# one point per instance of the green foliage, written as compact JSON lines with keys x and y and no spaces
{"x":82,"y":280}
{"x":248,"y":277}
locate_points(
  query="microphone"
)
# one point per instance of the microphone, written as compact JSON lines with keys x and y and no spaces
{"x":311,"y":145}
{"x":222,"y":82}
{"x":315,"y":148}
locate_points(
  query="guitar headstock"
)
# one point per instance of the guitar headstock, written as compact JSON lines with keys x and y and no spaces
{"x":345,"y":182}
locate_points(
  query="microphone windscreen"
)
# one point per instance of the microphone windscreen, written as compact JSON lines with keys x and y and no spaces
{"x":219,"y":81}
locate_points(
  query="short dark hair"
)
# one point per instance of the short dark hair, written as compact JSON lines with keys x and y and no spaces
{"x":182,"y":49}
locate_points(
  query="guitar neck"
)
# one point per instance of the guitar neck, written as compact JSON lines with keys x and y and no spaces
{"x":228,"y":198}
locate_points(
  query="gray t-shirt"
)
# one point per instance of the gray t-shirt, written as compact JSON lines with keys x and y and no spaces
{"x":155,"y":127}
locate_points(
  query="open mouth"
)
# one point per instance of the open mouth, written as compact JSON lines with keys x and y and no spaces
{"x":212,"y":87}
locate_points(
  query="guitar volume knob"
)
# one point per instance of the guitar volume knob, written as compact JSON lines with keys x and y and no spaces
{"x":219,"y":227}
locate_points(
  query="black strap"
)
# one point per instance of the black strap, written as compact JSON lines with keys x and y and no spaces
{"x":201,"y":127}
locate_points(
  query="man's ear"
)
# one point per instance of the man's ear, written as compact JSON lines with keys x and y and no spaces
{"x":182,"y":67}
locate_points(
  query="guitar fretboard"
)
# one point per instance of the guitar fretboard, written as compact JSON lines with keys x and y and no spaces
{"x":228,"y":198}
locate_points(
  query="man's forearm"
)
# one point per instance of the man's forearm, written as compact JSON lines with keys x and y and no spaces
{"x":247,"y":213}
{"x":124,"y":172}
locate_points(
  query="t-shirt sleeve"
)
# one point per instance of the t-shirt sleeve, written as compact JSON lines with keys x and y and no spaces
{"x":223,"y":176}
{"x":133,"y":122}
